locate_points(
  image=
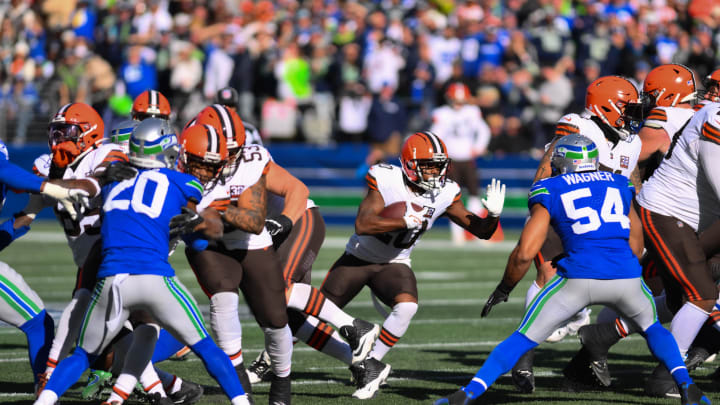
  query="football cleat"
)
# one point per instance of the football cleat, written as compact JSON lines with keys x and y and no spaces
{"x":661,"y":384}
{"x":42,"y":382}
{"x":280,"y":389}
{"x":458,"y":397}
{"x":244,"y":381}
{"x":522,"y":374}
{"x":181,"y":355}
{"x":189,"y":393}
{"x":259,"y":370}
{"x":558,"y":335}
{"x":579,"y":320}
{"x":97,"y":381}
{"x":695,"y":357}
{"x":690,"y":394}
{"x":581,"y":373}
{"x":369,"y":374}
{"x":361,"y":337}
{"x":158,"y":399}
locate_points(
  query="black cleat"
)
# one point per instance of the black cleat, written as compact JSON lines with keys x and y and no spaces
{"x":260,"y":369}
{"x":522,"y":374}
{"x":280,"y":390}
{"x":661,"y":384}
{"x":369,"y":374}
{"x":582,"y":373}
{"x":157,"y":399}
{"x":458,"y":397}
{"x":690,"y":394}
{"x":188,"y":393}
{"x":597,"y":339}
{"x":361,"y":337}
{"x":244,"y":381}
{"x":695,"y":357}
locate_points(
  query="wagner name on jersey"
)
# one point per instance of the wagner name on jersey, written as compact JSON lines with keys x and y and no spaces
{"x":676,"y":188}
{"x":251,"y":165}
{"x":621,"y":158}
{"x":395,"y":246}
{"x":591,"y":218}
{"x":83,"y":232}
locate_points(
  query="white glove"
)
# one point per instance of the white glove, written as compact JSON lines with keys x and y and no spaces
{"x":413,"y":219}
{"x":494,"y":198}
{"x":68,"y":197}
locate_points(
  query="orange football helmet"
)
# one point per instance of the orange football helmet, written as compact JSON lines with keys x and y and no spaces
{"x":227,"y":122}
{"x":712,"y":87}
{"x":457,"y":93}
{"x":74,"y":130}
{"x":203,"y":152}
{"x":424,"y":160}
{"x":150,"y":103}
{"x":669,"y":85}
{"x":609,"y":97}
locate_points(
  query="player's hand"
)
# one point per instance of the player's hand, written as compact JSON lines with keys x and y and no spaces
{"x":494,"y":198}
{"x":117,"y":171}
{"x":184,"y":222}
{"x":279,"y":228}
{"x":501,"y":293}
{"x":413,"y":219}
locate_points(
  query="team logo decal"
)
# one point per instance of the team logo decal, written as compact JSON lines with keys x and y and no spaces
{"x":624,"y":162}
{"x":236,"y":190}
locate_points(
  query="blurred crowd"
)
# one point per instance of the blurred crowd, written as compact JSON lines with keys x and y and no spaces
{"x":327,"y":71}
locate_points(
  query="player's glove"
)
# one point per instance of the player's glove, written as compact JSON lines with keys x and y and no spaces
{"x":68,"y":197}
{"x":501,"y":293}
{"x":413,"y":219}
{"x":117,"y":171}
{"x":494,"y":198}
{"x":184,"y":222}
{"x":279,"y":228}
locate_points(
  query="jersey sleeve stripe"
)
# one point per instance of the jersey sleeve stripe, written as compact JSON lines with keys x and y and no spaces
{"x":711,"y":133}
{"x":220,"y":204}
{"x":266,"y":168}
{"x":197,"y":185}
{"x":115,"y":156}
{"x":541,"y":190}
{"x":657,"y":115}
{"x":457,"y":197}
{"x":372,"y":183}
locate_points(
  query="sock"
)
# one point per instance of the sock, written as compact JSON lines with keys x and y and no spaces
{"x":311,"y":301}
{"x":171,"y":383}
{"x":663,"y":346}
{"x":279,"y":346}
{"x":137,"y":362}
{"x":39,"y":332}
{"x":225,"y":323}
{"x":500,"y":361}
{"x":165,"y":347}
{"x":121,"y":348}
{"x":46,"y":397}
{"x":686,"y":324}
{"x":123,"y":387}
{"x":531,"y":293}
{"x":664,"y":313}
{"x":69,"y":371}
{"x":219,"y":367}
{"x":322,"y":337}
{"x":151,"y":381}
{"x":69,"y":326}
{"x":394,"y":328}
{"x":239,"y":400}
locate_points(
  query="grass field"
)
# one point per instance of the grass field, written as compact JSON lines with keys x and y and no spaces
{"x":445,"y":345}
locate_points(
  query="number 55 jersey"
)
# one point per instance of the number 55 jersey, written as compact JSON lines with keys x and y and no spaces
{"x":591,"y":218}
{"x":395,"y":246}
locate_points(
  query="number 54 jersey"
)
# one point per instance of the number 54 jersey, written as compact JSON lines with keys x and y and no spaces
{"x":589,"y":211}
{"x":395,"y":246}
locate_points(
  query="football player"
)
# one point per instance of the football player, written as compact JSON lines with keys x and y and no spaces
{"x":21,"y":306}
{"x":149,"y":104}
{"x":461,"y":126}
{"x":601,"y":266}
{"x":135,"y":273}
{"x":679,"y":201}
{"x":228,"y":97}
{"x":607,"y":121}
{"x":378,"y":254}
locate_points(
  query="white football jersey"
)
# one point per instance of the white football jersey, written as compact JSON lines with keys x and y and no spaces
{"x":253,"y":163}
{"x":463,"y":130}
{"x":676,"y":189}
{"x":83,"y":232}
{"x":620,"y":159}
{"x":395,"y":246}
{"x":671,"y":119}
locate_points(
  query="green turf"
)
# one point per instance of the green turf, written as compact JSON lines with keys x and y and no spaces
{"x":444,"y":346}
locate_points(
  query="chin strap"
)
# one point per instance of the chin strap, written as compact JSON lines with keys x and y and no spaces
{"x":611,"y":134}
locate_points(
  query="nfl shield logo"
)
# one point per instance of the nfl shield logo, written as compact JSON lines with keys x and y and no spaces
{"x":624,"y":162}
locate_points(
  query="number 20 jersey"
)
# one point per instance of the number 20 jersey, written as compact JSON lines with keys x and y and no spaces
{"x":395,"y":246}
{"x":589,"y":211}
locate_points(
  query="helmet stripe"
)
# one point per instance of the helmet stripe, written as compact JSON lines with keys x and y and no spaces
{"x":152,"y":98}
{"x":434,"y":141}
{"x":226,"y":122}
{"x":212,"y":139}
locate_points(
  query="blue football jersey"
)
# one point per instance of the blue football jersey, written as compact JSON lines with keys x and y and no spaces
{"x":590,"y":213}
{"x":136,"y":220}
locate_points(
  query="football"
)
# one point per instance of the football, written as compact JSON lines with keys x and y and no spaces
{"x":397,"y":209}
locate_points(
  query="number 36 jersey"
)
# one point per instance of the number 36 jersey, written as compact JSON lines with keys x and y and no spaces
{"x":589,"y":211}
{"x":395,"y":246}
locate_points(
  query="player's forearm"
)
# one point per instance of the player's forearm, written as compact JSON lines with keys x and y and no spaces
{"x":373,"y":224}
{"x":544,"y":169}
{"x":281,"y":182}
{"x":517,"y":266}
{"x":251,"y":209}
{"x":90,"y":185}
{"x":296,"y":202}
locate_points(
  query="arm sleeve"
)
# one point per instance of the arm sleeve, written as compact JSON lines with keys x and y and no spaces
{"x":18,"y":178}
